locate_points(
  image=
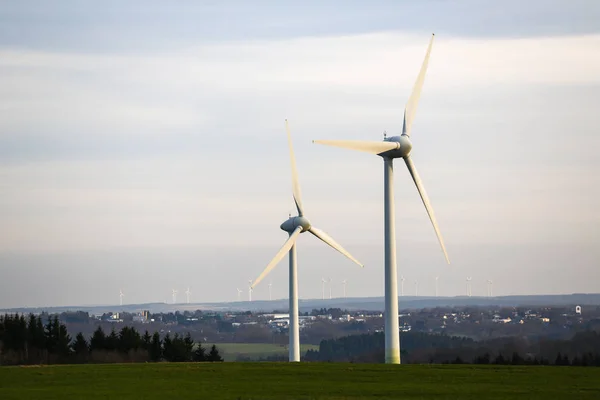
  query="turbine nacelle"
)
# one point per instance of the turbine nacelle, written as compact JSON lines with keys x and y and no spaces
{"x":403,"y":149}
{"x":292,"y":223}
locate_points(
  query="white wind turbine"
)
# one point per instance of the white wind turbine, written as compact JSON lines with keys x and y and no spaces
{"x":187,"y":295}
{"x":174,"y":296}
{"x":323,"y":282}
{"x":270,"y":297}
{"x":250,"y":288}
{"x":389,"y":149}
{"x":294,"y":226}
{"x":330,"y":285}
{"x":239,"y":292}
{"x":469,"y":286}
{"x":402,"y":285}
{"x":344,"y":282}
{"x":416,"y":288}
{"x":490,"y":284}
{"x":121,"y":295}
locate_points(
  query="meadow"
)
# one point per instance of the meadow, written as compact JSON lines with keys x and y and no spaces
{"x":297,"y":381}
{"x":254,"y":351}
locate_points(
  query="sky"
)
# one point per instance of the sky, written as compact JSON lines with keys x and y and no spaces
{"x":143,"y":149}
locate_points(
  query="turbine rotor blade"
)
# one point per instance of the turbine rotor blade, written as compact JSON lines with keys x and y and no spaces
{"x":425,"y":198}
{"x":371,"y":147}
{"x":413,"y":100}
{"x":295,"y":183}
{"x":329,"y":240}
{"x":280,"y":254}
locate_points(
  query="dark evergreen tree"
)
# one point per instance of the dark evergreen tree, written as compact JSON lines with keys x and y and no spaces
{"x":155,"y":351}
{"x":200,"y":353}
{"x":80,"y":345}
{"x":98,"y":340}
{"x":214,"y":355}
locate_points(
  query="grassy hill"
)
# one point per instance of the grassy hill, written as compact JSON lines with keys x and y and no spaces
{"x":297,"y":381}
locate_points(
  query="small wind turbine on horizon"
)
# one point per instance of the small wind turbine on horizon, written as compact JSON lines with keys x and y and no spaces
{"x":294,"y":226}
{"x":323,"y":282}
{"x":490,"y":283}
{"x":250,"y":290}
{"x":174,"y":296}
{"x":416,"y":288}
{"x":402,"y":285}
{"x":391,"y":148}
{"x":270,"y":297}
{"x":121,"y":295}
{"x":187,"y":294}
{"x":330,"y":285}
{"x":344,"y":282}
{"x":469,"y":286}
{"x":239,"y":293}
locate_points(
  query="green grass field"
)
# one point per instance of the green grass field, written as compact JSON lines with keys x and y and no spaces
{"x":297,"y":381}
{"x":254,"y":351}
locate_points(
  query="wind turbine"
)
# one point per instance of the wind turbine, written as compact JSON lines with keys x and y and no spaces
{"x":294,"y":226}
{"x":490,"y":284}
{"x":187,"y":294}
{"x":239,"y":292}
{"x":174,"y":296}
{"x":469,"y":286}
{"x":402,"y":285}
{"x":121,"y":295}
{"x":330,"y":285}
{"x":250,"y":287}
{"x":270,"y":284}
{"x":390,"y":148}
{"x":416,"y":288}
{"x":344,"y":282}
{"x":323,"y":282}
{"x":436,"y":285}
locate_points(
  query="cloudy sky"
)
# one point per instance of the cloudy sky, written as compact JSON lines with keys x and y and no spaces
{"x":142,"y":145}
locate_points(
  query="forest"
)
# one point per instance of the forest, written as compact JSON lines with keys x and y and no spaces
{"x":30,"y":340}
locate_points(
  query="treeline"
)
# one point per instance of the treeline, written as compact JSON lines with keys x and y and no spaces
{"x":28,"y":340}
{"x":583,"y":349}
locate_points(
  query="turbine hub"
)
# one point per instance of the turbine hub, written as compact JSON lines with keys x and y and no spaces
{"x":293,"y":222}
{"x":404,"y":149}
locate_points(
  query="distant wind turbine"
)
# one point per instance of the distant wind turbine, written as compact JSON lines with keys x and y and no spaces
{"x":323,"y":282}
{"x":294,"y":226}
{"x":187,"y":294}
{"x":330,"y":285}
{"x":270,"y":284}
{"x":121,"y":295}
{"x":389,"y":149}
{"x":402,"y":285}
{"x":490,"y":284}
{"x":469,"y":286}
{"x":174,"y":296}
{"x":344,"y":282}
{"x":239,"y":292}
{"x":416,"y":288}
{"x":250,"y":290}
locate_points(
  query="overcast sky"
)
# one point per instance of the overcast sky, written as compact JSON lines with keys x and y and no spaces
{"x":142,"y":146}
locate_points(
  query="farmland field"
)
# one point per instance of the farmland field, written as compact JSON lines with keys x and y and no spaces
{"x":297,"y":381}
{"x":254,"y":351}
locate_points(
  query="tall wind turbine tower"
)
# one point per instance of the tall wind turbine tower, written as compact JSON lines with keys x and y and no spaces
{"x":187,"y":295}
{"x":344,"y":282}
{"x":490,"y":283}
{"x":174,"y":296}
{"x":330,"y":285}
{"x":469,"y":286}
{"x":250,"y":286}
{"x":391,"y":148}
{"x":270,"y":297}
{"x":436,"y":285}
{"x":121,"y":297}
{"x":416,"y":288}
{"x":323,"y":282}
{"x":239,"y":292}
{"x":294,"y":226}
